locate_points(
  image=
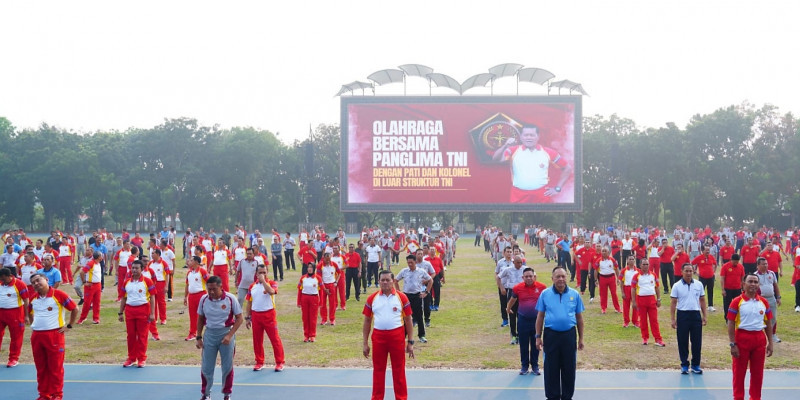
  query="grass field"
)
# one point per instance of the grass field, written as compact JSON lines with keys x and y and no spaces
{"x":465,"y":333}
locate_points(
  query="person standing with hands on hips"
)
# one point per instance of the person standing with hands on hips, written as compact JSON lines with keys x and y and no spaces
{"x":560,"y":315}
{"x":389,"y":310}
{"x":689,"y":300}
{"x":416,"y":287}
{"x":749,"y":317}
{"x":220,"y":316}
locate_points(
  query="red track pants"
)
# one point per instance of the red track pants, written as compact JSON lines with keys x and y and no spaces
{"x":222,"y":272}
{"x":309,"y":305}
{"x":389,"y":343}
{"x":14,"y":319}
{"x":48,"y":355}
{"x":193,"y":303}
{"x":65,"y":266}
{"x":161,"y":300}
{"x":137,"y":324}
{"x":608,"y":283}
{"x":91,"y":299}
{"x":340,"y":288}
{"x":626,"y":307}
{"x":752,"y":350}
{"x":264,"y":321}
{"x":122,"y":271}
{"x":330,"y":299}
{"x":648,"y":311}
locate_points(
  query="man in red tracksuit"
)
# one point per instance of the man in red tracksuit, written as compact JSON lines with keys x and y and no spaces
{"x":138,"y":306}
{"x":91,"y":276}
{"x":390,"y":310}
{"x":260,"y":314}
{"x":13,"y":303}
{"x":47,"y":306}
{"x":161,"y":270}
{"x":749,"y":318}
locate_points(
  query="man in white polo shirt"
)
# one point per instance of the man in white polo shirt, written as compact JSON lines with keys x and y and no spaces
{"x":259,"y":312}
{"x":416,"y":286}
{"x":688,"y":299}
{"x":219,"y":316}
{"x":387,"y":313}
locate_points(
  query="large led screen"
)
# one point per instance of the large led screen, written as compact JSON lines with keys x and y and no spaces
{"x":470,"y":153}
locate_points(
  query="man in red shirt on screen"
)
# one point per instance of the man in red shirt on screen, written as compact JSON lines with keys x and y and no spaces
{"x":530,"y":167}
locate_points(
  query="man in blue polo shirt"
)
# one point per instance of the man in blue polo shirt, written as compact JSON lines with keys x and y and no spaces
{"x":52,"y":273}
{"x":560,"y":312}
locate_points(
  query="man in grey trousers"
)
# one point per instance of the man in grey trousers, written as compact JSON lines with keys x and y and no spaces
{"x":219,"y":316}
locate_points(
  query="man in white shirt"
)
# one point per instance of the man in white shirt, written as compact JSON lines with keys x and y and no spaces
{"x":373,"y":261}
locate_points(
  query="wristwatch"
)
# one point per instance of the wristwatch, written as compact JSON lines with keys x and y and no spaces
{"x":732,"y":344}
{"x":538,"y":336}
{"x":410,"y":341}
{"x":557,"y":189}
{"x":198,"y":337}
{"x":69,"y":326}
{"x":119,"y":313}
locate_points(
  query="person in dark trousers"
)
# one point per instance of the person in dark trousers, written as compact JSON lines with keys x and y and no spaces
{"x":277,"y":257}
{"x":559,"y":319}
{"x":688,"y":299}
{"x":416,"y":286}
{"x":288,"y":250}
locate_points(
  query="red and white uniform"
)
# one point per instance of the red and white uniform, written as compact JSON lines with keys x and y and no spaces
{"x":137,"y":296}
{"x":65,"y":261}
{"x":340,"y":285}
{"x":530,"y":171}
{"x":606,"y":268}
{"x":644,"y":288}
{"x":388,"y":314}
{"x":92,"y":290}
{"x":626,"y":277}
{"x":263,"y":318}
{"x":750,"y":317}
{"x":12,"y":315}
{"x":161,"y":270}
{"x":308,"y":299}
{"x":47,"y":342}
{"x":222,"y":258}
{"x":196,"y":286}
{"x":121,"y":258}
{"x":330,"y":277}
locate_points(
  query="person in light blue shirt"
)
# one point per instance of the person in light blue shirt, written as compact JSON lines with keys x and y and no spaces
{"x":564,"y":258}
{"x":560,"y":313}
{"x":50,"y":271}
{"x":99,"y":247}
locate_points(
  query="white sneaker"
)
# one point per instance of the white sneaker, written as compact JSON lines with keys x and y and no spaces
{"x":712,"y":309}
{"x":797,"y":309}
{"x":776,"y":339}
{"x":591,"y":300}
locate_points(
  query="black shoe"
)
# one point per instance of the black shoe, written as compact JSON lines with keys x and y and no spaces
{"x":80,"y":303}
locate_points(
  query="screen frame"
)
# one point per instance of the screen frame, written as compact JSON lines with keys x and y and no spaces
{"x":576,"y":206}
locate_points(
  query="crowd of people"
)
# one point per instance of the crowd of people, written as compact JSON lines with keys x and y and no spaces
{"x":335,"y":268}
{"x":143,"y":271}
{"x":748,"y":264}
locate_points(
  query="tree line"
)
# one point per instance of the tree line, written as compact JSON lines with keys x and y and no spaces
{"x":734,"y":166}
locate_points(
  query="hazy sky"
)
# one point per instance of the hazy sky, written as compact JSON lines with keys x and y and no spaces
{"x":276,"y":65}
